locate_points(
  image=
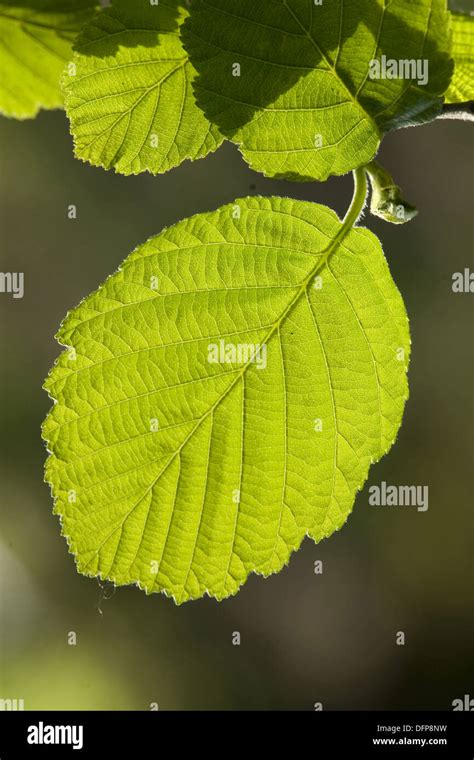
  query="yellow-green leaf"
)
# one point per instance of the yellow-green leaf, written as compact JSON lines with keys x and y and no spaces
{"x":462,"y":83}
{"x":223,"y":395}
{"x":129,"y":94}
{"x":35,"y":42}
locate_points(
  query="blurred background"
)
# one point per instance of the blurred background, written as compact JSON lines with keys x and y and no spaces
{"x":305,"y":638}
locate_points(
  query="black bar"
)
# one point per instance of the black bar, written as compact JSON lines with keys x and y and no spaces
{"x":368,"y":734}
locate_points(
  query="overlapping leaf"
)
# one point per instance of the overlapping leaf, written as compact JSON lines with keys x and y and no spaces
{"x":35,"y":42}
{"x":130,"y":100}
{"x":462,"y":83}
{"x":291,"y":81}
{"x":184,"y":470}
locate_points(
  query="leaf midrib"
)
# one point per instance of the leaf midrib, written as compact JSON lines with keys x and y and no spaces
{"x":331,"y":67}
{"x":156,"y":85}
{"x":322,"y":260}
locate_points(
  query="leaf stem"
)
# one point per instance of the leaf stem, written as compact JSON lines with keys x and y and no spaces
{"x":358,"y":200}
{"x":354,"y":211}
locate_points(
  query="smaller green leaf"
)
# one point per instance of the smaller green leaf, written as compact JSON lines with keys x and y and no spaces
{"x":35,"y":42}
{"x":387,"y":200}
{"x":462,"y":83}
{"x":129,"y":93}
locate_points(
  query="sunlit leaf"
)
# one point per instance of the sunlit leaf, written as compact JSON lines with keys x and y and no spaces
{"x":462,"y":84}
{"x":35,"y":42}
{"x":308,"y":90}
{"x":223,"y":395}
{"x":129,"y":94}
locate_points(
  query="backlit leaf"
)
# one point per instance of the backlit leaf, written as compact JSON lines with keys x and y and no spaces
{"x":130,"y":98}
{"x":462,"y":83}
{"x":223,"y":395}
{"x":35,"y":42}
{"x":295,"y":84}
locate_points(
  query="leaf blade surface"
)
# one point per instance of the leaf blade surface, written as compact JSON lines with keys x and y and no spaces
{"x":245,"y":460}
{"x":130,"y":102}
{"x":304,"y":104}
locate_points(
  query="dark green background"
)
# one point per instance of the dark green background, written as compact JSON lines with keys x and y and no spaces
{"x":305,"y":638}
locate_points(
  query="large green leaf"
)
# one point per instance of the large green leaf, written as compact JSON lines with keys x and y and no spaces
{"x":185,"y":475}
{"x":130,"y":100}
{"x":304,"y":103}
{"x":35,"y":42}
{"x":462,"y":83}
